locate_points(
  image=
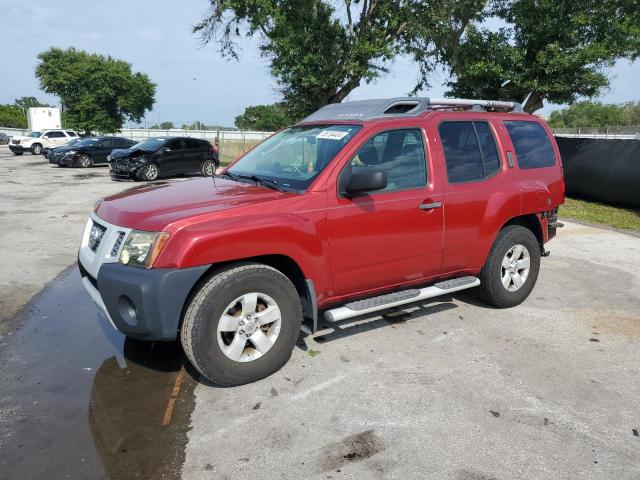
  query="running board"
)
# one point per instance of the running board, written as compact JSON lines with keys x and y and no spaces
{"x":382,"y":302}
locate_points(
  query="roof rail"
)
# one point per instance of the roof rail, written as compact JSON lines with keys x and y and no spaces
{"x":470,"y":103}
{"x":403,"y":107}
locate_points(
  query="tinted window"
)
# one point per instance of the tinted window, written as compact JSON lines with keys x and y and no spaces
{"x":71,"y":134}
{"x":174,"y":144}
{"x":55,"y":135}
{"x":470,"y":150}
{"x":124,"y":143}
{"x":106,"y":143}
{"x":532,"y":145}
{"x":400,"y":154}
{"x":191,"y":143}
{"x":491,"y":160}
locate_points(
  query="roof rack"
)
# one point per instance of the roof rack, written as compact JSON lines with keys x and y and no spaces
{"x":404,"y":107}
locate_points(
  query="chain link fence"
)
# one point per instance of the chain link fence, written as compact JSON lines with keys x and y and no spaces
{"x":614,"y":133}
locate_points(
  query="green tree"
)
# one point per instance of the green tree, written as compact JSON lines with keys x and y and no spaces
{"x":587,"y":114}
{"x":28,"y":102}
{"x":320,"y":50}
{"x":631,"y":113}
{"x":163,"y":126}
{"x":97,"y":93}
{"x":546,"y":50}
{"x":12,"y":116}
{"x":266,"y":118}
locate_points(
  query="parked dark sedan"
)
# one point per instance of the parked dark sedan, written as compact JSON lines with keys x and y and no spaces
{"x":88,"y":151}
{"x":45,"y":150}
{"x":163,"y":156}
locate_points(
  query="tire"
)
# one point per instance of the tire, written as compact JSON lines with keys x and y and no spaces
{"x":208,"y":338}
{"x":85,"y":161}
{"x":499,"y":281}
{"x":36,"y":149}
{"x":207,"y":169}
{"x":150,"y":172}
{"x":18,"y":153}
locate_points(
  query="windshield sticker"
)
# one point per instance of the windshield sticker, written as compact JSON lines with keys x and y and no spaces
{"x":332,"y":134}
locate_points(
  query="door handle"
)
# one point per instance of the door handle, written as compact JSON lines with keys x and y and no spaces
{"x":430,"y":206}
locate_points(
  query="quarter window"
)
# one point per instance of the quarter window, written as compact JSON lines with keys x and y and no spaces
{"x":532,"y":144}
{"x":190,"y":143}
{"x":400,"y":154}
{"x":470,"y":151}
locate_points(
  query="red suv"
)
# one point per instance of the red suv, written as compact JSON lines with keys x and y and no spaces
{"x":360,"y":207}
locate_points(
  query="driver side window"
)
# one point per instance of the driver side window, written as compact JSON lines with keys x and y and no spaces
{"x":398,"y":153}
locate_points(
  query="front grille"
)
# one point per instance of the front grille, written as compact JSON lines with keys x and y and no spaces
{"x":95,"y":235}
{"x":15,"y":142}
{"x":116,"y":245}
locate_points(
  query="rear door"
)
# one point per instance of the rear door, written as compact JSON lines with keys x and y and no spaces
{"x":479,"y":192}
{"x":55,"y":139}
{"x":392,"y":236}
{"x":192,"y":155}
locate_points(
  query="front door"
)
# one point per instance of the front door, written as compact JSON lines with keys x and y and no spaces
{"x":172,"y":156}
{"x":391,"y":236}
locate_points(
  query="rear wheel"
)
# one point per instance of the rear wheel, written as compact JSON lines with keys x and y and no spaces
{"x":512,"y":267}
{"x":85,"y":161}
{"x":207,"y":169}
{"x":36,"y":149}
{"x":242,"y":324}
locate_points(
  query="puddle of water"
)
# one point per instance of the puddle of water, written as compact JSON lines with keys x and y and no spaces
{"x":81,"y":401}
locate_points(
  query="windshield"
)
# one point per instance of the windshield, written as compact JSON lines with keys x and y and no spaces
{"x":34,"y":134}
{"x":294,"y":157}
{"x":150,"y":144}
{"x":87,"y":142}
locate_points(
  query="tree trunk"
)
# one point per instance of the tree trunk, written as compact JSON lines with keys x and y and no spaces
{"x":534,"y":102}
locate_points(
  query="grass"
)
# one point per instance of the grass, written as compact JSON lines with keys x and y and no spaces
{"x":600,"y":214}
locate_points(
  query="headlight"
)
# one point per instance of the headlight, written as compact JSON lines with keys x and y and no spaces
{"x":142,"y":248}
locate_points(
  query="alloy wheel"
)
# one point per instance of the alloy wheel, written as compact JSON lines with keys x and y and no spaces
{"x":515,"y":267}
{"x":249,"y":327}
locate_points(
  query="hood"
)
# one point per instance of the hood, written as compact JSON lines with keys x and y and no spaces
{"x":155,"y":207}
{"x":65,"y":148}
{"x":120,"y":153}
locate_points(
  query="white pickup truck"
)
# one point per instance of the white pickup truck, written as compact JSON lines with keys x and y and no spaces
{"x":36,"y":141}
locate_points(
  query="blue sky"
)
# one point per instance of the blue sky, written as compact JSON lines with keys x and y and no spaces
{"x":194,"y":83}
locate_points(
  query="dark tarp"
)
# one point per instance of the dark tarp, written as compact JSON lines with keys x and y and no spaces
{"x":606,"y":171}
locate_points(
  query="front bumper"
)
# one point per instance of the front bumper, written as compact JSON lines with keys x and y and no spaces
{"x":143,"y":304}
{"x":18,"y":148}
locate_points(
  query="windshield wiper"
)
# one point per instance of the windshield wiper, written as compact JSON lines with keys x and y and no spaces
{"x":266,"y":182}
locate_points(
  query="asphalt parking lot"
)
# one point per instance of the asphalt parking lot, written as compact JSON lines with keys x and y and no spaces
{"x":447,"y":389}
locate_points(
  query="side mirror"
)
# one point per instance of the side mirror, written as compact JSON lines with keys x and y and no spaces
{"x":166,"y":150}
{"x":365,"y":180}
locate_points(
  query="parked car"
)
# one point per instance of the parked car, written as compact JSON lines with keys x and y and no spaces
{"x":164,"y":156}
{"x":360,"y":207}
{"x":45,"y":150}
{"x":4,"y":138}
{"x":36,"y":141}
{"x":88,"y":151}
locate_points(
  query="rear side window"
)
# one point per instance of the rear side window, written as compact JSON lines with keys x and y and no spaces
{"x":532,"y":144}
{"x":470,"y":151}
{"x":190,"y":143}
{"x":71,"y":134}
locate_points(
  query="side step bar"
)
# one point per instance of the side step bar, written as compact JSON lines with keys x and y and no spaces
{"x":382,"y":302}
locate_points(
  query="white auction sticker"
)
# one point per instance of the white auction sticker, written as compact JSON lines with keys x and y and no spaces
{"x":332,"y":134}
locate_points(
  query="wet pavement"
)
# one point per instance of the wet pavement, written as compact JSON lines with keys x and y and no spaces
{"x":81,"y":401}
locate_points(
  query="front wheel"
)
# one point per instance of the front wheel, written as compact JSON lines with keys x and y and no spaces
{"x":85,"y":161}
{"x":242,"y":324}
{"x":17,"y":153}
{"x":36,"y":149}
{"x":150,"y":172}
{"x":512,"y":267}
